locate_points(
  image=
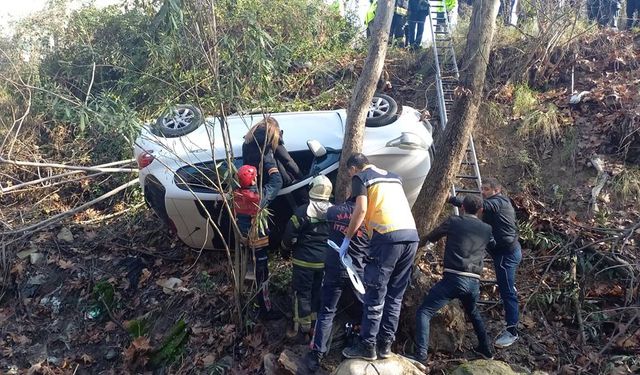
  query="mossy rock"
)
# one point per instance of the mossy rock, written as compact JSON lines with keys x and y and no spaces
{"x":485,"y":367}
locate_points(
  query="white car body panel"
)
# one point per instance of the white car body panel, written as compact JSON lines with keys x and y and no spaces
{"x":327,"y":127}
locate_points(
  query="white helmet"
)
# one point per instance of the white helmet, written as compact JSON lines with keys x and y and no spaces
{"x":320,"y":188}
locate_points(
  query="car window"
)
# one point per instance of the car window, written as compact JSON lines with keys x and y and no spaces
{"x":207,"y":177}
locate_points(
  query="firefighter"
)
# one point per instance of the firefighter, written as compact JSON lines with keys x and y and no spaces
{"x":247,"y":202}
{"x":306,"y":237}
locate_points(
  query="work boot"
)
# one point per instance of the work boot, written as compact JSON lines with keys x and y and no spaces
{"x":313,"y":360}
{"x":384,"y":349}
{"x":506,"y":339}
{"x":420,"y":358}
{"x":483,"y":351}
{"x":361,"y":350}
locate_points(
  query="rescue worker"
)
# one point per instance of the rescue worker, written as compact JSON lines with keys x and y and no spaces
{"x":264,"y":149}
{"x":306,"y":235}
{"x":398,"y":21}
{"x":633,"y":6}
{"x":467,"y":239}
{"x":418,"y":12}
{"x":336,"y":280}
{"x":246,"y":201}
{"x":370,"y":16}
{"x":507,"y":253}
{"x":380,"y":203}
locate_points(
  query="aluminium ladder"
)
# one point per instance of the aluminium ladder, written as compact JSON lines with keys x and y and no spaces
{"x":469,"y":180}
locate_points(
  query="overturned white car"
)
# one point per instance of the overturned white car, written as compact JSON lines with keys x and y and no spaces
{"x":182,"y":161}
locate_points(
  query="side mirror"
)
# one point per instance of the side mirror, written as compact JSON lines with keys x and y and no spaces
{"x":316,"y":148}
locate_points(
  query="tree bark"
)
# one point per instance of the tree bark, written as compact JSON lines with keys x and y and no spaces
{"x":363,"y":94}
{"x":451,"y":144}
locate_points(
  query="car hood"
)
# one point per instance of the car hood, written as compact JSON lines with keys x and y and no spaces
{"x":325,"y":126}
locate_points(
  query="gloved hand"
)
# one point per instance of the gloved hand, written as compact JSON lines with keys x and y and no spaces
{"x":344,"y":247}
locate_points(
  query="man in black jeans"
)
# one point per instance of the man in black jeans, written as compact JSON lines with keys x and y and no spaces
{"x":336,"y":280}
{"x":467,"y":239}
{"x":507,"y":254}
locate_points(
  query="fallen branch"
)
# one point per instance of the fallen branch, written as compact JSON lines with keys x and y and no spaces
{"x":64,"y":166}
{"x":45,"y":223}
{"x":66,"y":174}
{"x":601,"y":179}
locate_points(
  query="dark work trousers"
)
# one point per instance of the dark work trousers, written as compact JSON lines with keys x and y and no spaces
{"x":386,"y":277}
{"x":333,"y":287}
{"x":452,"y":286}
{"x":415,"y":28}
{"x":397,"y":27}
{"x":633,"y":6}
{"x":307,"y":284}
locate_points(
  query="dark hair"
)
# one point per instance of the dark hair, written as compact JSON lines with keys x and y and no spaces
{"x":357,"y":160}
{"x":472,"y":204}
{"x":493,"y":183}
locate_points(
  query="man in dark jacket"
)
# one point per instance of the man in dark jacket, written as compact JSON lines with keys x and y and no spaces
{"x":418,"y":11}
{"x":336,"y":279}
{"x":507,"y":254}
{"x":307,"y":233}
{"x":467,"y":239}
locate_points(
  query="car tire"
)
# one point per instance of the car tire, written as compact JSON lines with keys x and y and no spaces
{"x":382,"y":111}
{"x":180,"y":120}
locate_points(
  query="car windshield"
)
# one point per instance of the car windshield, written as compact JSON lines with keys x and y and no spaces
{"x":207,"y":177}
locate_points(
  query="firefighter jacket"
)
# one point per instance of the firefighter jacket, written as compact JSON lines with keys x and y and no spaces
{"x":307,"y":233}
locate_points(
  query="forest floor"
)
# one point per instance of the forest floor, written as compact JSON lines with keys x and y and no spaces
{"x":119,"y":295}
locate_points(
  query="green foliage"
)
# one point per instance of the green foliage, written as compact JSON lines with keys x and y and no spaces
{"x":172,"y":346}
{"x":626,"y":185}
{"x":542,"y":126}
{"x":525,"y":100}
{"x":538,"y":239}
{"x":139,"y":327}
{"x":98,"y":71}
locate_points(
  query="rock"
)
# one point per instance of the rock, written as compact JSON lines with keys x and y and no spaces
{"x":25,"y":253}
{"x":448,"y":326}
{"x":35,"y":258}
{"x":37,"y":280}
{"x":485,"y":367}
{"x":390,"y":366}
{"x":110,"y":354}
{"x":270,"y":362}
{"x":65,"y":235}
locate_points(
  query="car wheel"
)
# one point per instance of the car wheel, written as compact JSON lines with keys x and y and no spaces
{"x":181,"y":120}
{"x":382,"y":111}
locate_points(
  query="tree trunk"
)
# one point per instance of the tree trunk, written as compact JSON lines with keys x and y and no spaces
{"x":363,"y":93}
{"x":451,"y":144}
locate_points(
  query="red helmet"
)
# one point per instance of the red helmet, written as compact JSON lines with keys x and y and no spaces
{"x":246,"y":174}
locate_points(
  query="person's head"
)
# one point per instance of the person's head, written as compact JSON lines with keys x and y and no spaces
{"x":356,"y":163}
{"x":247,"y":176}
{"x":490,"y":187}
{"x":321,"y":188}
{"x":271,"y":129}
{"x":472,"y":204}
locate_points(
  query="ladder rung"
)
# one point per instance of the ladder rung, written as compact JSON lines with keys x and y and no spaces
{"x":467,"y":163}
{"x":488,"y":302}
{"x":489,"y":281}
{"x":467,"y":191}
{"x":468,"y":177}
